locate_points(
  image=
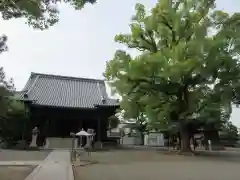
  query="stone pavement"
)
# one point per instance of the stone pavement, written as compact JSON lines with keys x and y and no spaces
{"x":57,"y":166}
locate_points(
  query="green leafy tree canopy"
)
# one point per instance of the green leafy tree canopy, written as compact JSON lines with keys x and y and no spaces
{"x":188,"y":66}
{"x":39,"y":13}
{"x":6,"y":91}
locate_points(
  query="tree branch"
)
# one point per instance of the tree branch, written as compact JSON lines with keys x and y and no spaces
{"x":150,"y":34}
{"x":198,"y":110}
{"x":164,"y":87}
{"x":165,"y":22}
{"x":138,"y":47}
{"x":205,"y":11}
{"x":152,"y":44}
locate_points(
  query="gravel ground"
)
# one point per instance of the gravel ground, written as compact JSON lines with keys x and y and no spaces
{"x":15,"y":155}
{"x":147,"y":165}
{"x":15,"y":172}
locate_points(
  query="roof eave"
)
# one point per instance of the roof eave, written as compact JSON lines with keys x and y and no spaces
{"x":63,"y":107}
{"x":106,"y":105}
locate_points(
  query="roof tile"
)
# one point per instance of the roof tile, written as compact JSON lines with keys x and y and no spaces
{"x":61,"y":91}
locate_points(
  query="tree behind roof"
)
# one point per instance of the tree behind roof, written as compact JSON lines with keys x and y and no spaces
{"x":6,"y":90}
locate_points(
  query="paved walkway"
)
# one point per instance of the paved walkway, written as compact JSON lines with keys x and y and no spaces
{"x":56,"y":166}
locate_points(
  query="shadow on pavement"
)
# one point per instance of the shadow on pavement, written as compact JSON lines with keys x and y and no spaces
{"x":220,"y":155}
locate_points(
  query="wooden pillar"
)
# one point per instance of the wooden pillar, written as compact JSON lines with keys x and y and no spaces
{"x":80,"y":125}
{"x":98,"y":143}
{"x":99,"y":130}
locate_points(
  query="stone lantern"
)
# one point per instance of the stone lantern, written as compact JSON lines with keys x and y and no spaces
{"x":35,"y":133}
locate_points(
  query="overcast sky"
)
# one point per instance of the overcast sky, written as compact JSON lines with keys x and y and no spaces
{"x":79,"y":45}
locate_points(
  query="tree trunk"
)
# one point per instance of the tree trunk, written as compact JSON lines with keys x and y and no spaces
{"x":185,"y":147}
{"x":142,"y":138}
{"x":185,"y":142}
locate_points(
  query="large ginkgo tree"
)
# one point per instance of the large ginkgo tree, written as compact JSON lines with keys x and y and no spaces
{"x":187,"y":69}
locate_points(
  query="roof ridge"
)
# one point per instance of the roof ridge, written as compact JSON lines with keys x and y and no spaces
{"x":100,"y":92}
{"x":21,"y":91}
{"x":33,"y":84}
{"x":65,"y":77}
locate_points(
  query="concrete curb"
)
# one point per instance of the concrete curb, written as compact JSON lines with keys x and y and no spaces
{"x":36,"y":170}
{"x":84,"y":163}
{"x":20,"y":163}
{"x":59,"y":162}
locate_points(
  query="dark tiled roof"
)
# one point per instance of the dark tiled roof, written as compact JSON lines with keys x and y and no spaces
{"x":62,"y":91}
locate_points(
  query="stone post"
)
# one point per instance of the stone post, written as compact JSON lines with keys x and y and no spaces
{"x":35,"y":133}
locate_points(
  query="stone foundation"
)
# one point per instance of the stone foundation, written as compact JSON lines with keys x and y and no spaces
{"x":59,"y":143}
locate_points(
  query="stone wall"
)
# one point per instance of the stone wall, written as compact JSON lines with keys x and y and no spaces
{"x":154,"y":139}
{"x":126,"y":140}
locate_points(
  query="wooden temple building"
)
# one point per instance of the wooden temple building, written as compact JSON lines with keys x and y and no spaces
{"x":59,"y":105}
